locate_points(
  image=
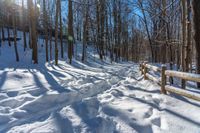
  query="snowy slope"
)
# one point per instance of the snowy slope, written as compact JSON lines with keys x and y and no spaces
{"x":95,"y":97}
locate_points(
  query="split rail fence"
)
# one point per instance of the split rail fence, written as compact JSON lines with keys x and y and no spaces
{"x":162,"y":80}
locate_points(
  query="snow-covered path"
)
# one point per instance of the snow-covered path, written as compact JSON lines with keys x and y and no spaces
{"x":90,"y":98}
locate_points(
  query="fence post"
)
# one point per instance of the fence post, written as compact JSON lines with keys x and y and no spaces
{"x":163,"y":79}
{"x":145,"y":70}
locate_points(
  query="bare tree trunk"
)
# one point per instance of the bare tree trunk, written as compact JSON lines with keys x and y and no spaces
{"x":196,"y":11}
{"x":183,"y":83}
{"x":45,"y":26}
{"x":70,"y":31}
{"x":85,"y":31}
{"x":188,"y":47}
{"x":24,"y":28}
{"x":61,"y":31}
{"x":33,"y":31}
{"x":15,"y":38}
{"x":56,"y":32}
{"x":147,"y":30}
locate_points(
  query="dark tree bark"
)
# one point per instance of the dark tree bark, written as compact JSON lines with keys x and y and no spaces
{"x":45,"y":23}
{"x":61,"y":31}
{"x":196,"y":19}
{"x":33,"y":31}
{"x":24,"y":27}
{"x":15,"y":38}
{"x":56,"y":32}
{"x":70,"y":31}
{"x":85,"y":31}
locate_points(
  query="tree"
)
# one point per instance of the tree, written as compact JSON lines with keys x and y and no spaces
{"x":85,"y":30}
{"x":61,"y":31}
{"x":15,"y":35}
{"x":70,"y":31}
{"x":32,"y":22}
{"x":196,"y":20}
{"x":147,"y":29}
{"x":56,"y":32}
{"x":45,"y":26}
{"x":24,"y":27}
{"x":189,"y":31}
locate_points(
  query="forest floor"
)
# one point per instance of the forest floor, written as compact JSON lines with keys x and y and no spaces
{"x":96,"y":97}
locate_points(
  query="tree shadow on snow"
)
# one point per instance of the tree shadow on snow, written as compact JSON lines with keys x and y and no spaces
{"x":175,"y":114}
{"x":184,"y":99}
{"x":3,"y":79}
{"x":132,"y":122}
{"x":48,"y":76}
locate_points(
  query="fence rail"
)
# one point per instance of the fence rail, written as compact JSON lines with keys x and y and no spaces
{"x":162,"y":81}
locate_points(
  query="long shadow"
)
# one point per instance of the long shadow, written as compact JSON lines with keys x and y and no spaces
{"x":78,"y":75}
{"x":64,"y":124}
{"x":52,"y":82}
{"x":167,"y":110}
{"x":3,"y":78}
{"x":74,"y":74}
{"x":39,"y":84}
{"x":171,"y":94}
{"x":140,"y":89}
{"x":84,"y":66}
{"x":57,"y":74}
{"x":54,"y":85}
{"x":198,"y":92}
{"x":184,"y":99}
{"x":67,"y":71}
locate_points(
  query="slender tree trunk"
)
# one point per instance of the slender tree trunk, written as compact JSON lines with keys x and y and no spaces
{"x":33,"y":31}
{"x":70,"y":31}
{"x":147,"y":29}
{"x":61,"y":31}
{"x":56,"y":32}
{"x":188,"y":47}
{"x":183,"y":84}
{"x":45,"y":26}
{"x":24,"y":28}
{"x":3,"y":35}
{"x":196,"y":11}
{"x":15,"y":38}
{"x":85,"y":33}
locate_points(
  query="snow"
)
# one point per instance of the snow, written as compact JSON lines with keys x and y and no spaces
{"x":96,"y":97}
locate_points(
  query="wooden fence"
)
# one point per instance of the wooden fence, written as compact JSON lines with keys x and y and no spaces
{"x":162,"y":80}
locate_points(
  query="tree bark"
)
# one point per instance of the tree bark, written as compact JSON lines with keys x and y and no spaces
{"x":61,"y":31}
{"x":56,"y":32}
{"x":70,"y":31}
{"x":24,"y":27}
{"x":15,"y":38}
{"x":45,"y":23}
{"x":33,"y":31}
{"x":196,"y":20}
{"x":183,"y":83}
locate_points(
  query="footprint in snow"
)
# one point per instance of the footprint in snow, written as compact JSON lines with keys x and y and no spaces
{"x":25,"y":71}
{"x":130,"y":110}
{"x":117,"y":93}
{"x":12,"y":93}
{"x":149,"y":113}
{"x":156,"y":121}
{"x":157,"y":101}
